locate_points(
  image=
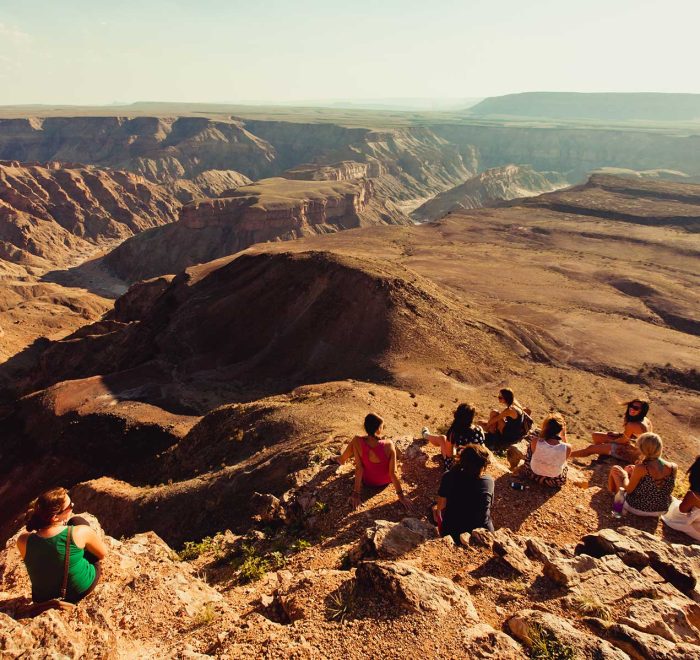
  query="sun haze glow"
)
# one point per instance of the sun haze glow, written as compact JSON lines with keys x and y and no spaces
{"x":95,"y":52}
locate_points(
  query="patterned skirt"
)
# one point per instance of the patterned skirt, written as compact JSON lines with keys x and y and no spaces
{"x":549,"y":482}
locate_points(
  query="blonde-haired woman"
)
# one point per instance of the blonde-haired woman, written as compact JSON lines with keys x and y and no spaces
{"x":649,"y":483}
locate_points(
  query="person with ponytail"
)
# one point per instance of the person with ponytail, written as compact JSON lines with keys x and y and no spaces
{"x":547,"y":453}
{"x":462,"y":432}
{"x":51,"y":529}
{"x":465,"y":494}
{"x":375,"y":462}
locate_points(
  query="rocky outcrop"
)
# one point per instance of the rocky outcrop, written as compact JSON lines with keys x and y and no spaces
{"x":406,"y":586}
{"x":51,"y":214}
{"x":134,"y":611}
{"x":388,"y":540}
{"x":269,"y":210}
{"x":346,"y":170}
{"x":489,"y":188}
{"x":553,"y":636}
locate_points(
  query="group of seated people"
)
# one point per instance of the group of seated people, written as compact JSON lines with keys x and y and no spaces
{"x":62,"y":553}
{"x":466,"y":493}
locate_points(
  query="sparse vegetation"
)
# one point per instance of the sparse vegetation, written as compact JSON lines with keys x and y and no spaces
{"x":592,"y":606}
{"x":340,"y":603}
{"x":299,"y":544}
{"x":320,"y":507}
{"x":206,"y":616}
{"x":193,"y":549}
{"x":545,"y":646}
{"x":251,"y":566}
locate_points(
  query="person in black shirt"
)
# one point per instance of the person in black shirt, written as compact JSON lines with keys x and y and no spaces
{"x":465,"y":494}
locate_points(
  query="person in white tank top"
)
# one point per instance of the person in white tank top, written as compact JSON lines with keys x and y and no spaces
{"x":548,"y":453}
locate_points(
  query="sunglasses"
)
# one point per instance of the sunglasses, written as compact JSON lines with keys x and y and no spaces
{"x":635,"y":406}
{"x":69,"y":507}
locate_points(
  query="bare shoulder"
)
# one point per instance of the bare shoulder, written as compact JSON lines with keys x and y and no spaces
{"x":22,"y":539}
{"x":81,"y":534}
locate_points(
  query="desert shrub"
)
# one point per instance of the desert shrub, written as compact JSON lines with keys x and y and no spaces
{"x":205,"y":616}
{"x":545,"y":646}
{"x":340,"y":603}
{"x":193,"y":549}
{"x":592,"y":606}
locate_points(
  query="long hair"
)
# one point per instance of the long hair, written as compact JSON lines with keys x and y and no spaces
{"x":472,"y":461}
{"x":642,"y":413}
{"x":694,"y":476}
{"x":44,"y":508}
{"x":372,"y":423}
{"x":508,"y":395}
{"x":552,"y":426}
{"x":463,"y":418}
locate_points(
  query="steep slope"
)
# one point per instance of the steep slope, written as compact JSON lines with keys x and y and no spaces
{"x":50,"y":215}
{"x":570,"y":105}
{"x":269,"y":210}
{"x":488,"y":188}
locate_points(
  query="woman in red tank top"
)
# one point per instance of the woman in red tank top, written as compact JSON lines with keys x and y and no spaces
{"x":375,"y":461}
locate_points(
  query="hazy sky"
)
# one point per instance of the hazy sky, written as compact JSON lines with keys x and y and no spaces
{"x":94,"y":52}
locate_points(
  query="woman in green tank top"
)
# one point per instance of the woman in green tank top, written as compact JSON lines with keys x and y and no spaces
{"x":43,"y":548}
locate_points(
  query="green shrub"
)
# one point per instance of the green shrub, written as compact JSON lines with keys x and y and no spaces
{"x":193,"y":549}
{"x":340,"y":604}
{"x":545,"y":646}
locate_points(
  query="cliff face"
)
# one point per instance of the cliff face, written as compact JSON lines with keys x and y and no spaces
{"x":269,"y":210}
{"x":51,"y":214}
{"x":573,"y":151}
{"x":161,"y":149}
{"x":488,"y":188}
{"x":346,"y":170}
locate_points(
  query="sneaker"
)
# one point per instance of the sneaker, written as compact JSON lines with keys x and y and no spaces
{"x":425,"y":432}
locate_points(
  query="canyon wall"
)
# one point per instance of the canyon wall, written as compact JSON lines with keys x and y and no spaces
{"x":270,"y":210}
{"x":51,"y":214}
{"x":488,"y":188}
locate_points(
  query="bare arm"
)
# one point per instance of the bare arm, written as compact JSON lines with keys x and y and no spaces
{"x":94,"y":544}
{"x":346,"y":455}
{"x":636,"y":476}
{"x":22,"y":544}
{"x":359,"y":471}
{"x":690,"y":501}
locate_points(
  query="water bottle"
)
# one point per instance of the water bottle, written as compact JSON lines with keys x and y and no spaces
{"x":618,"y":503}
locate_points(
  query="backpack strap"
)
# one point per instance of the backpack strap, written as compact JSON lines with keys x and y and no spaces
{"x":66,"y":565}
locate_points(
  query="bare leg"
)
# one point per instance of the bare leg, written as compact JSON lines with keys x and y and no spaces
{"x":491,"y":426}
{"x":604,"y":438}
{"x":617,"y":478}
{"x":605,"y":449}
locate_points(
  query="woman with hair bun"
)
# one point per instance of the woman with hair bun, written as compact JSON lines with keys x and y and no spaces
{"x":621,"y":445}
{"x":649,"y":483}
{"x":51,"y":530}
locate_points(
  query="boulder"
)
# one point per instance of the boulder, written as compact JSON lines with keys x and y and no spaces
{"x":678,"y":564}
{"x":643,"y":646}
{"x":548,"y":632}
{"x":411,"y":589}
{"x":388,"y":540}
{"x":481,"y":537}
{"x":511,"y":549}
{"x":265,"y":507}
{"x":482,"y":642}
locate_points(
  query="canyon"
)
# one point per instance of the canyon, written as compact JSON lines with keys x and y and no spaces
{"x":195,"y":320}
